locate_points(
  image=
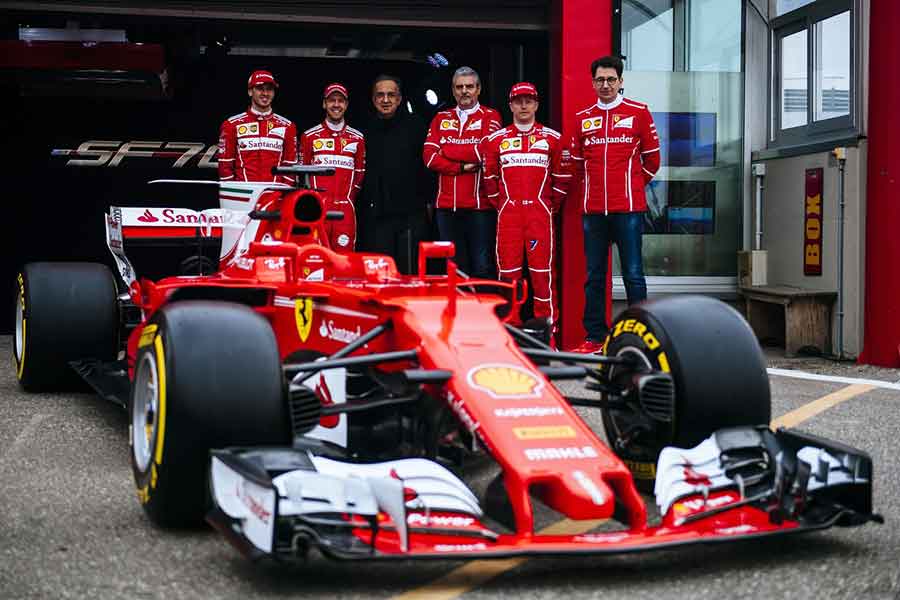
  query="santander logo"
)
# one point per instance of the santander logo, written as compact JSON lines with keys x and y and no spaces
{"x":147,"y":217}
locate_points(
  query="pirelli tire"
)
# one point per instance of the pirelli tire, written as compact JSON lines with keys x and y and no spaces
{"x":64,"y":311}
{"x":716,"y":364}
{"x":207,"y":375}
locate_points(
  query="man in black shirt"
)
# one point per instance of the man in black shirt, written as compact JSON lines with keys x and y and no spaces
{"x":391,"y":204}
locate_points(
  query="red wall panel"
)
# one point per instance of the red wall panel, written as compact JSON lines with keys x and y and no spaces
{"x":881,"y":344}
{"x":581,"y":32}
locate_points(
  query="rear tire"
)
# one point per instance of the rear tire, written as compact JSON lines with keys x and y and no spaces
{"x":63,"y":312}
{"x":715,"y":361}
{"x":207,"y":375}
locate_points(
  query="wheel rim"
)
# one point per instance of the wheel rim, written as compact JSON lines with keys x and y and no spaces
{"x":20,"y":328}
{"x":145,"y":410}
{"x":618,"y":421}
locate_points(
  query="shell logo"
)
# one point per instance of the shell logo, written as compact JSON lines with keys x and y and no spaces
{"x":317,"y":144}
{"x":504,"y":145}
{"x":502,"y":381}
{"x":588,"y":124}
{"x":242,"y":129}
{"x":448,"y":124}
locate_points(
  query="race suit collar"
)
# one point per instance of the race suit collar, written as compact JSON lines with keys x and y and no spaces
{"x":611,"y":105}
{"x":265,"y":115}
{"x":336,"y":128}
{"x":525,"y":128}
{"x":463,"y":113}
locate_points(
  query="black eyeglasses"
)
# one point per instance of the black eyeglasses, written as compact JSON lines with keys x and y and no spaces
{"x":610,"y":81}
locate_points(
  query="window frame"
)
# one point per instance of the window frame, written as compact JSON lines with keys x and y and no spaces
{"x":806,"y":18}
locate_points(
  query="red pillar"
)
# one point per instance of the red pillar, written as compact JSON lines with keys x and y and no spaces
{"x":881,"y":344}
{"x":582,"y":32}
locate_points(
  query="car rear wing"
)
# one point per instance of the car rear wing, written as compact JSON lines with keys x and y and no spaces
{"x":153,"y":224}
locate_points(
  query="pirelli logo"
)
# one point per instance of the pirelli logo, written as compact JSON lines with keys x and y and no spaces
{"x":544,"y":433}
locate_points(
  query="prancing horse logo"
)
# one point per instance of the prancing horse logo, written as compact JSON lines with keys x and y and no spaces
{"x":303,"y":309}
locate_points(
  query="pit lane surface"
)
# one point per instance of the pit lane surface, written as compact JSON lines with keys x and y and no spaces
{"x":71,"y":526}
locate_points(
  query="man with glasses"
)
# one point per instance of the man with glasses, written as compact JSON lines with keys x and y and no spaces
{"x":391,"y":204}
{"x":616,"y":153}
{"x":464,"y":215}
{"x":254,"y":141}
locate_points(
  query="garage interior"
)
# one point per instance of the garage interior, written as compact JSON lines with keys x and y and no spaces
{"x":170,"y":72}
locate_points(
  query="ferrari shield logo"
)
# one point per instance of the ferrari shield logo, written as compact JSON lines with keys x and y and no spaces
{"x":303,"y":313}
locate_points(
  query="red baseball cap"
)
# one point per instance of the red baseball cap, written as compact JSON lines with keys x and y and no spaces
{"x":335,"y":87}
{"x":261,"y":77}
{"x":523,"y":89}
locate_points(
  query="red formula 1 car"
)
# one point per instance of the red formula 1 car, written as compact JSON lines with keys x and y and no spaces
{"x":302,"y":399}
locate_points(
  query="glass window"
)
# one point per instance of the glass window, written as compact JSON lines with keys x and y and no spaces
{"x":647,"y":35}
{"x":814,"y":99}
{"x":687,"y":68}
{"x":832,"y":83}
{"x":714,"y":36}
{"x":785,"y":6}
{"x":793,"y":80}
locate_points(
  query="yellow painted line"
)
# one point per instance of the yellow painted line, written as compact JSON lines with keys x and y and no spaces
{"x":471,"y":575}
{"x":808,"y":411}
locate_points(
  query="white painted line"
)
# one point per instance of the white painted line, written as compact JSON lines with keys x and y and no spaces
{"x":831,"y":378}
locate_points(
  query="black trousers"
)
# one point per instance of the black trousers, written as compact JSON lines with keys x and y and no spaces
{"x":396,"y":236}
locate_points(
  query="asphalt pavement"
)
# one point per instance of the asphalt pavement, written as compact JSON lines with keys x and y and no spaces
{"x":71,"y":525}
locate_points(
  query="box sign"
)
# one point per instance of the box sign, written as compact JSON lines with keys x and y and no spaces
{"x":812,"y":223}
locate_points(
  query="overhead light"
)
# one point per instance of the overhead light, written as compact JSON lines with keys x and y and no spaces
{"x":437,"y":60}
{"x":409,"y":107}
{"x":71,"y":34}
{"x":431,"y":97}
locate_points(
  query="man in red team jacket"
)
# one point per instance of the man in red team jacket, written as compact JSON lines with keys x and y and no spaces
{"x":333,"y":143}
{"x":254,"y":141}
{"x":463,"y":214}
{"x":616,"y":153}
{"x":525,"y":180}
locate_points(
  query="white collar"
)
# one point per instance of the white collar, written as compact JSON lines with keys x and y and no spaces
{"x":525,"y":128}
{"x":467,"y":111}
{"x":334,"y":127}
{"x":261,"y":114}
{"x":612,"y":104}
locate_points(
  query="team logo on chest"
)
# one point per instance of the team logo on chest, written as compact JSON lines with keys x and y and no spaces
{"x":620,"y":121}
{"x":591,"y":124}
{"x":248,"y":129}
{"x":323,"y":145}
{"x":510,"y":144}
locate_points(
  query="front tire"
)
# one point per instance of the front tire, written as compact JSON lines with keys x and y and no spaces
{"x":63,"y":312}
{"x":718,"y":370}
{"x":207,"y":375}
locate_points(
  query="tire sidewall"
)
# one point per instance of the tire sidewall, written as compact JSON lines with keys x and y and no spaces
{"x":638,"y":333}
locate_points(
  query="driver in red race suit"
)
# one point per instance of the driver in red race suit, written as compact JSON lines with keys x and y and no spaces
{"x":333,"y":143}
{"x":254,"y":141}
{"x":526,"y":181}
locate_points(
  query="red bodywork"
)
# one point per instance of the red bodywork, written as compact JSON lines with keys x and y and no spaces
{"x":542,"y":445}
